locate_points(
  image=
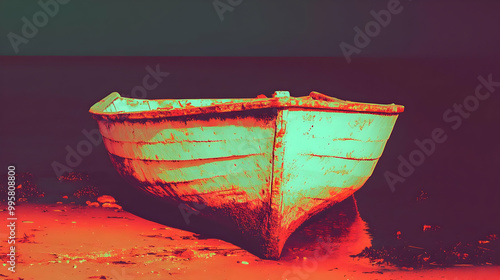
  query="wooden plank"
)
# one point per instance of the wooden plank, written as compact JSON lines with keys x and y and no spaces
{"x":274,"y":237}
{"x":339,"y":125}
{"x":313,"y":172}
{"x":190,"y":150}
{"x":211,"y":129}
{"x":252,"y":168}
{"x":239,"y":184}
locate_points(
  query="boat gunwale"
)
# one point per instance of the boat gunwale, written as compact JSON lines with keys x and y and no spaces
{"x":280,"y":103}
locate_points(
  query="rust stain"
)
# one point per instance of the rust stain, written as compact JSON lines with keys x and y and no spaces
{"x":315,"y":101}
{"x":264,"y":193}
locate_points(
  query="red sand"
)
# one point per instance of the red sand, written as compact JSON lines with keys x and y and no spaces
{"x":78,"y":242}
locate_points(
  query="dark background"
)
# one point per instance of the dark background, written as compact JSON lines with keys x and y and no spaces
{"x":425,"y":28}
{"x":427,"y":59}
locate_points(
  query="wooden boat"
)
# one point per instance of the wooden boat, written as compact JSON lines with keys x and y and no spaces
{"x":261,"y":166}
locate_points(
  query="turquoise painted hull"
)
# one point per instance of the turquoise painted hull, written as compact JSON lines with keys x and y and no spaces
{"x":259,"y":166}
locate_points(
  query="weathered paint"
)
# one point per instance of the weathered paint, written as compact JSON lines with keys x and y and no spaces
{"x":328,"y":156}
{"x":262,"y":165}
{"x":274,"y":228}
{"x":115,"y":107}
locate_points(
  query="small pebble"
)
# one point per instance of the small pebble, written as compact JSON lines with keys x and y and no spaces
{"x":106,"y":199}
{"x":111,"y":205}
{"x":187,"y":254}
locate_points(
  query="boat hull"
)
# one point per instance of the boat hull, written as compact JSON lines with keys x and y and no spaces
{"x":260,"y":172}
{"x":325,"y":157}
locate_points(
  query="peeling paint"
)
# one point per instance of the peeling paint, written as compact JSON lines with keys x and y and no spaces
{"x":262,"y":165}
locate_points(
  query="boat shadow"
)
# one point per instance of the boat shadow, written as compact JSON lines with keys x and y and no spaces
{"x":334,"y":233}
{"x":338,"y":230}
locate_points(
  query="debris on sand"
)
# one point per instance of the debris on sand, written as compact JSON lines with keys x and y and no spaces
{"x":184,"y":253}
{"x":105,"y":201}
{"x":408,"y":256}
{"x":99,"y":277}
{"x":74,"y":176}
{"x":27,"y":238}
{"x":26,"y":190}
{"x":89,"y":192}
{"x":188,"y":254}
{"x":422,"y":196}
{"x":92,"y":204}
{"x":431,"y":227}
{"x":111,"y":205}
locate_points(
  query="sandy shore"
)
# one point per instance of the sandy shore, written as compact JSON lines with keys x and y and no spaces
{"x":67,"y":241}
